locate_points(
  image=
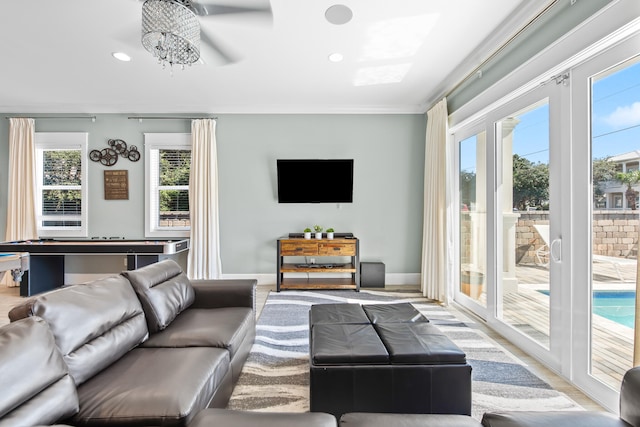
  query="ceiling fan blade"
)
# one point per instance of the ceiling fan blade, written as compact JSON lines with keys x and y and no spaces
{"x":207,"y":43}
{"x":207,"y":9}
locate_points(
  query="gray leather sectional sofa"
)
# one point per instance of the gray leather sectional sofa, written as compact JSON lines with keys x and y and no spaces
{"x":147,"y":347}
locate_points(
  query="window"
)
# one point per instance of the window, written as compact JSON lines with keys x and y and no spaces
{"x":167,"y":184}
{"x":61,"y":189}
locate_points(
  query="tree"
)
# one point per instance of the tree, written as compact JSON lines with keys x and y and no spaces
{"x":467,"y":188}
{"x":61,"y":168}
{"x":630,"y":178}
{"x":603,"y":170}
{"x":175,"y":166}
{"x":530,"y":183}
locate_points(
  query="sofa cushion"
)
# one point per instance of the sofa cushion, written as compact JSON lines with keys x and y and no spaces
{"x":164,"y":291}
{"x":35,"y":382}
{"x":94,"y":324}
{"x":229,"y":418}
{"x":153,"y":387}
{"x":552,"y":418}
{"x":361,"y":419}
{"x":217,"y":327}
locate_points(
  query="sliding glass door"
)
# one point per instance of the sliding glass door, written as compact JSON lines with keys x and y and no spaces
{"x":549,"y":217}
{"x":607,"y":125}
{"x":510,"y":201}
{"x":524,"y":286}
{"x":472,"y":186}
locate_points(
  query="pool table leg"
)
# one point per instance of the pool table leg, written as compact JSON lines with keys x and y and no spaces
{"x":46,"y":272}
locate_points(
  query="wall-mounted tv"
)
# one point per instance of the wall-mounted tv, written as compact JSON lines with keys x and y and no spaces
{"x":315,"y":180}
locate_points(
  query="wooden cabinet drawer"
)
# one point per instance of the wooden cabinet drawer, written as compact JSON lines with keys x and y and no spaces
{"x":337,"y":249}
{"x":298,"y":248}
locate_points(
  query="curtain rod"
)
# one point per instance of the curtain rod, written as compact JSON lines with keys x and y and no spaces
{"x":502,"y":47}
{"x":93,"y":118}
{"x":169,"y":118}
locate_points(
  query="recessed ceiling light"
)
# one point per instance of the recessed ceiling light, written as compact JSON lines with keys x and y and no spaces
{"x":336,"y":57}
{"x":121,"y":56}
{"x":338,"y":14}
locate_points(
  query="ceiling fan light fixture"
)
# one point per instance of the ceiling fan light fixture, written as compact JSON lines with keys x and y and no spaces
{"x":171,"y":31}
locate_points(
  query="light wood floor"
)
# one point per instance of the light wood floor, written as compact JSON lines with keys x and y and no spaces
{"x":9,"y":297}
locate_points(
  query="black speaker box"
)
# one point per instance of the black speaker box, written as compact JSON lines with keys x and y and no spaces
{"x":372,"y":275}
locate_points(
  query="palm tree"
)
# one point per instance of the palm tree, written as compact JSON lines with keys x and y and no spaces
{"x":630,"y":178}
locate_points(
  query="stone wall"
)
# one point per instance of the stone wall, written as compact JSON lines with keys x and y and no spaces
{"x":615,"y":233}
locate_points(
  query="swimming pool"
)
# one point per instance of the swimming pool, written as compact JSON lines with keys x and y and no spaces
{"x":618,"y":306}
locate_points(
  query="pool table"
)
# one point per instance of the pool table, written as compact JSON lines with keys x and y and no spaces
{"x":46,"y":256}
{"x":17,"y":263}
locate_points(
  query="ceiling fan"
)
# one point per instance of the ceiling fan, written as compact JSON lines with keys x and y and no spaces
{"x":171,"y":29}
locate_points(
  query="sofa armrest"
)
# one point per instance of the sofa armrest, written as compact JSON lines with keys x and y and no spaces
{"x":629,"y":395}
{"x":225,"y":293}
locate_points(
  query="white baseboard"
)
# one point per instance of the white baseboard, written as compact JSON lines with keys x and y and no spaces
{"x":391,"y":279}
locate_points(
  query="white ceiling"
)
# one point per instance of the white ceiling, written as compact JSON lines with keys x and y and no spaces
{"x":399,"y":56}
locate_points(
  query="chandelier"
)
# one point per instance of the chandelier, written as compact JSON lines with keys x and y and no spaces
{"x":170,"y":31}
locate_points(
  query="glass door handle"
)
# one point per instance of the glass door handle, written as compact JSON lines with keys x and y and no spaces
{"x":555,"y":249}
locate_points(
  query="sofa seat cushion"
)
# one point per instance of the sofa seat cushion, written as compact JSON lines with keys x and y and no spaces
{"x":229,"y":418}
{"x":35,"y":381}
{"x":337,"y":313}
{"x":345,"y":344}
{"x":153,"y":387}
{"x":419,"y":343}
{"x":393,"y":313}
{"x":164,"y":291}
{"x":94,"y":324}
{"x":361,"y":419}
{"x":552,"y":418}
{"x":218,"y":327}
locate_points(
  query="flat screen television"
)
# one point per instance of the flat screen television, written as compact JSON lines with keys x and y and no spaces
{"x":315,"y":180}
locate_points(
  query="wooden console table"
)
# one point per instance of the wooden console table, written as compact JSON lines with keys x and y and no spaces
{"x":319,"y":248}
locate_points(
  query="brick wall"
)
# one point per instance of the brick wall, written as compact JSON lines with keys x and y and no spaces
{"x":615,"y":233}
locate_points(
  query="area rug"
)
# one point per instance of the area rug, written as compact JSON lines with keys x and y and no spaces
{"x":276,"y":374}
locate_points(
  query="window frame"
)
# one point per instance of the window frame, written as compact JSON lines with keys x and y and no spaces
{"x":59,"y":141}
{"x":153,"y":142}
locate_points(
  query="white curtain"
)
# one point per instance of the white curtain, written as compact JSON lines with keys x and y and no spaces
{"x":434,"y":237}
{"x":204,"y":255}
{"x":21,"y":200}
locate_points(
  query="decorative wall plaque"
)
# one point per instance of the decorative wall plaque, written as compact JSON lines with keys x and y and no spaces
{"x":117,"y":147}
{"x":116,"y":185}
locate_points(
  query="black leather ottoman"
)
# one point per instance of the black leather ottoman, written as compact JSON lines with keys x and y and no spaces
{"x":384,"y":358}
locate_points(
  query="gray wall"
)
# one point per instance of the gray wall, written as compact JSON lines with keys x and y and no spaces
{"x":386,"y":214}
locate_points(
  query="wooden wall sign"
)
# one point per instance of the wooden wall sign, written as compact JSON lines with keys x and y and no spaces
{"x":116,"y":185}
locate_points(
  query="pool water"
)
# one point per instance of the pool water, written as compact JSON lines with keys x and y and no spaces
{"x":618,"y":306}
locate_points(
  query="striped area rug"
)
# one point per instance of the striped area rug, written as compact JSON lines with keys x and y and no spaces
{"x":276,"y":374}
